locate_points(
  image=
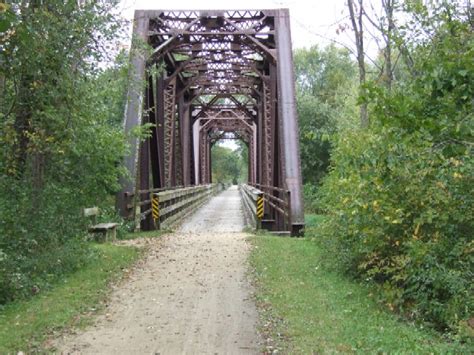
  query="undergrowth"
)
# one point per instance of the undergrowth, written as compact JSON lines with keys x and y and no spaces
{"x":26,"y":324}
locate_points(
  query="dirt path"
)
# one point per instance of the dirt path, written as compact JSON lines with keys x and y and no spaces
{"x":191,"y":295}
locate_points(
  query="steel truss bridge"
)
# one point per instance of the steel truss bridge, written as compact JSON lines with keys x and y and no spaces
{"x":200,"y":76}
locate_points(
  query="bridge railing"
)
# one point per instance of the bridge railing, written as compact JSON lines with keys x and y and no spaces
{"x":275,"y":200}
{"x":164,"y":207}
{"x":175,"y":204}
{"x":251,"y":198}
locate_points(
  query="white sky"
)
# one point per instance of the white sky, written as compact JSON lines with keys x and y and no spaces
{"x":312,"y":22}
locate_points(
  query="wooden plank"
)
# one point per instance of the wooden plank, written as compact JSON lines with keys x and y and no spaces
{"x":178,"y":205}
{"x":103,"y":227}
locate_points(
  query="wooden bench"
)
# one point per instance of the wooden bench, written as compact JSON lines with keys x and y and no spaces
{"x":107,"y":231}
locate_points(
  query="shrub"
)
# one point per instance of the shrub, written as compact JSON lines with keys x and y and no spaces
{"x":399,"y":194}
{"x":400,"y":212}
{"x":310,"y":198}
{"x":41,"y":238}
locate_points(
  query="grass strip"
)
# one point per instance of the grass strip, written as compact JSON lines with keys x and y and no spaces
{"x":322,"y":311}
{"x":25,"y":325}
{"x":146,"y":234}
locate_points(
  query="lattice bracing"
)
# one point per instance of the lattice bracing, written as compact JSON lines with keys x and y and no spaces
{"x":169,"y":131}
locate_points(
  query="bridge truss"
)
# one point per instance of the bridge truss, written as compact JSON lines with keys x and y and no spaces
{"x":208,"y":75}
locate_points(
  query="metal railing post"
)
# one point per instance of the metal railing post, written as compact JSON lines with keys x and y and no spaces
{"x":288,"y":201}
{"x":155,"y":209}
{"x":260,"y":209}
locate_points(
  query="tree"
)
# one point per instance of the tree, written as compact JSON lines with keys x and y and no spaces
{"x":398,"y":192}
{"x":325,"y":99}
{"x":227,"y":165}
{"x":243,"y":152}
{"x":66,"y":38}
{"x":356,"y":16}
{"x":60,"y":144}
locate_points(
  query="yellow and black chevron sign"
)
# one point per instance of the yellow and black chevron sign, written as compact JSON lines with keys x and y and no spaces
{"x":155,"y":207}
{"x":260,"y":207}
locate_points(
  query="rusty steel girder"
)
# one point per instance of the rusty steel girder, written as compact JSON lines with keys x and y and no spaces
{"x":212,"y":75}
{"x":169,"y":120}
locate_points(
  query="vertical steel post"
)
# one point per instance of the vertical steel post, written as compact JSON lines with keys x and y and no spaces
{"x":178,"y":143}
{"x":253,"y":153}
{"x":192,"y":173}
{"x":266,"y":131}
{"x":196,"y":150}
{"x":134,"y":107}
{"x":154,"y":140}
{"x":258,"y":143}
{"x":287,"y":117}
{"x":185,"y":126}
{"x":203,"y":156}
{"x":249,"y":163}
{"x":169,"y":132}
{"x":160,"y":126}
{"x":145,"y":223}
{"x":273,"y":123}
{"x":207,"y":157}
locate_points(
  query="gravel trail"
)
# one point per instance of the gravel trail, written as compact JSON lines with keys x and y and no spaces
{"x":190,"y":296}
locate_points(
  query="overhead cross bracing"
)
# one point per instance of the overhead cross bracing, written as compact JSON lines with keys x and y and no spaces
{"x":213,"y":74}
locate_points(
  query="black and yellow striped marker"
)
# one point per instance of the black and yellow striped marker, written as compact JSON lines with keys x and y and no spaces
{"x":260,"y":207}
{"x":155,"y":207}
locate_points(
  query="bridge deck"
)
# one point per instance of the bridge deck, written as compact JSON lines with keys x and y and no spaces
{"x":223,"y":213}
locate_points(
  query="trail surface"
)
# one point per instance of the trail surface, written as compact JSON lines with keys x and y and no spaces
{"x":190,"y":296}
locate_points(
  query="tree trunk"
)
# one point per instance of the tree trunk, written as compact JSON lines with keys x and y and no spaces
{"x":388,"y":7}
{"x":359,"y":39}
{"x":23,"y":108}
{"x":22,"y":125}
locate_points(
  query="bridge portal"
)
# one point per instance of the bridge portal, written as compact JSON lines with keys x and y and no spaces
{"x":197,"y":76}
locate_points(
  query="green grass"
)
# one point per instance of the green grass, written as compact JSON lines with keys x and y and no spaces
{"x":322,"y":311}
{"x":147,"y":234}
{"x":25,"y":325}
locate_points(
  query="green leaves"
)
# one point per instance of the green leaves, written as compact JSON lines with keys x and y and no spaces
{"x":61,"y":141}
{"x":7,"y":17}
{"x":142,"y":132}
{"x":325,"y":93}
{"x":228,"y":165}
{"x":399,"y":194}
{"x":395,"y":207}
